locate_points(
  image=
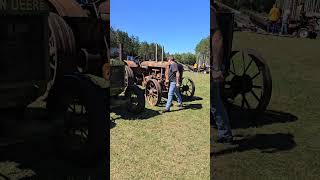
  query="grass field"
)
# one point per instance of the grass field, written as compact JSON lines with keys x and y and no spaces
{"x":286,"y":144}
{"x":173,"y":145}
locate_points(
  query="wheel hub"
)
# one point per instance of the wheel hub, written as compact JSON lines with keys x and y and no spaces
{"x":185,"y":88}
{"x":241,"y":84}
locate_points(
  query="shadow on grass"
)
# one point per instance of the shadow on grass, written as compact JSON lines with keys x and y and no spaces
{"x":34,"y":155}
{"x":266,"y":143}
{"x":194,"y":98}
{"x":239,"y":121}
{"x":189,"y":106}
{"x":145,"y":115}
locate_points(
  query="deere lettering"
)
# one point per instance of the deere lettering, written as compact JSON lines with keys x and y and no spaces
{"x":22,"y":5}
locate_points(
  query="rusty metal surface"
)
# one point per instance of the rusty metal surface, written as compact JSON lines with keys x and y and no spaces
{"x":131,"y":64}
{"x":104,"y":7}
{"x":69,"y":8}
{"x":158,"y":64}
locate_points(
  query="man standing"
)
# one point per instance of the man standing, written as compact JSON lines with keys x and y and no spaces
{"x":220,"y":116}
{"x":174,"y":81}
{"x":274,"y":16}
{"x":285,"y":22}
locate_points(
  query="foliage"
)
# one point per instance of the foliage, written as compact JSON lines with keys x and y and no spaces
{"x":185,"y":58}
{"x":147,"y":51}
{"x":132,"y":46}
{"x":203,"y":47}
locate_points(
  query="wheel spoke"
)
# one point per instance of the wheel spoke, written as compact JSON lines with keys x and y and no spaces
{"x":232,"y":72}
{"x":257,"y":87}
{"x":255,"y":95}
{"x":234,"y":68}
{"x":242,"y":103}
{"x":245,"y":100}
{"x":248,"y":66}
{"x":244,"y":63}
{"x":72,"y":109}
{"x":255,"y":76}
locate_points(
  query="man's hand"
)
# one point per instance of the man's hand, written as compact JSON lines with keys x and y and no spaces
{"x":178,"y":85}
{"x":217,"y":76}
{"x":166,"y":82}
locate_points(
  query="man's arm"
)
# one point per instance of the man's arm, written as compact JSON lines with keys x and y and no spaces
{"x":178,"y":77}
{"x":217,"y":53}
{"x":217,"y":50}
{"x":216,"y":46}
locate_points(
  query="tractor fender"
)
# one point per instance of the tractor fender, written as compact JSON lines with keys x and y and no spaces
{"x":69,"y":8}
{"x":131,"y":64}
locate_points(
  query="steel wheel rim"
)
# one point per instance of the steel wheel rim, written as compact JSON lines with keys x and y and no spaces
{"x":248,"y":90}
{"x":186,"y":87}
{"x":76,"y":131}
{"x":152,"y":93}
{"x":53,"y":57}
{"x":303,"y":34}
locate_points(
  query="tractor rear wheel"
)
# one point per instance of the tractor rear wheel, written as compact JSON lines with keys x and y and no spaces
{"x":153,"y":92}
{"x":61,"y":45}
{"x":136,"y":99}
{"x":78,"y":110}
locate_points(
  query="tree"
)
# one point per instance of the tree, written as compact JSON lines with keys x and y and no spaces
{"x":203,"y":47}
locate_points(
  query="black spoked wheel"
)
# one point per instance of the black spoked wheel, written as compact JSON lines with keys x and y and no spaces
{"x":248,"y":86}
{"x":137,"y":99}
{"x":187,"y":88}
{"x":303,"y":33}
{"x":78,"y":109}
{"x":153,"y":92}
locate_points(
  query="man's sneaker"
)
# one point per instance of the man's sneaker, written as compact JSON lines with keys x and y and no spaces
{"x":180,"y":107}
{"x":225,"y":140}
{"x":165,"y":110}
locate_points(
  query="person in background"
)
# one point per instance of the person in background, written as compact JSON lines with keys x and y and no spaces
{"x":195,"y":67}
{"x":218,"y":111}
{"x":285,"y":22}
{"x":174,"y":80}
{"x":274,"y":16}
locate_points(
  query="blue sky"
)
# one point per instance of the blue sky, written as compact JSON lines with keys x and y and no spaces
{"x":177,"y":24}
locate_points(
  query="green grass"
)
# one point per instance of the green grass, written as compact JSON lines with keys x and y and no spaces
{"x":294,"y":65}
{"x":173,"y":145}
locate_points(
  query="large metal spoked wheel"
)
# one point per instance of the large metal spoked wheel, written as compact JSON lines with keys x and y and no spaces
{"x":136,"y":99}
{"x":187,"y":88}
{"x":153,"y":92}
{"x":61,"y":44}
{"x":248,"y":86}
{"x":78,"y":111}
{"x":303,"y":33}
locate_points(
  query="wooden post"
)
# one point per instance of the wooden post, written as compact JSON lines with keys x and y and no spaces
{"x":162,"y":51}
{"x":156,"y":52}
{"x":120,"y":52}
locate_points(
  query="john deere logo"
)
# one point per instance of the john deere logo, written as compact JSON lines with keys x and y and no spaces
{"x":22,"y":5}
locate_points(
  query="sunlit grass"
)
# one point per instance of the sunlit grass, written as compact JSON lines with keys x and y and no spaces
{"x":174,"y":145}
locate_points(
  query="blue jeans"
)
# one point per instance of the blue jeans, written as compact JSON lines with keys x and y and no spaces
{"x":173,"y":90}
{"x":220,"y":115}
{"x":284,"y":28}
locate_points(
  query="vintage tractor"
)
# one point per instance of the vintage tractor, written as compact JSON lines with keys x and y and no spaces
{"x":122,"y":83}
{"x":57,"y":51}
{"x":152,"y":75}
{"x":248,"y":84}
